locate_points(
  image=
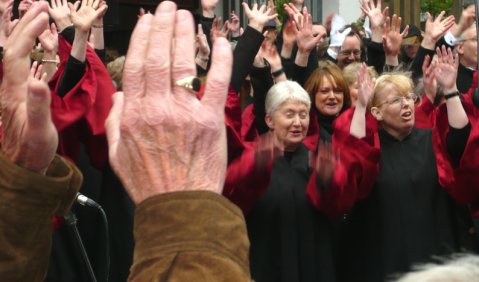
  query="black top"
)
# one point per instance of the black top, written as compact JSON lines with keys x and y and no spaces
{"x":407,"y":217}
{"x":290,"y":240}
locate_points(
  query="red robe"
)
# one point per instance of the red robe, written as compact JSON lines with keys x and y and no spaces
{"x":80,"y":115}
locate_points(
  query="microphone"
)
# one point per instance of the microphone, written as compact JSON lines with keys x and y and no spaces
{"x":85,"y":201}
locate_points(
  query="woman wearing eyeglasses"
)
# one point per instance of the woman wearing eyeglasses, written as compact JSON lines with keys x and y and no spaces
{"x":396,"y":183}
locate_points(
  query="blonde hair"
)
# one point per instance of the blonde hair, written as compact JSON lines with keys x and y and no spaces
{"x":351,"y":71}
{"x":115,"y":68}
{"x":399,"y":81}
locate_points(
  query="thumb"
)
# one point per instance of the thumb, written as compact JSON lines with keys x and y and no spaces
{"x":38,"y":105}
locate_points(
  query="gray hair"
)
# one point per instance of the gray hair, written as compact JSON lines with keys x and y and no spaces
{"x":285,"y":91}
{"x":459,"y":268}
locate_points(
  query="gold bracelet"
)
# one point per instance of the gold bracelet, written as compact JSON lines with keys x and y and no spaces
{"x":49,"y":61}
{"x":97,"y":26}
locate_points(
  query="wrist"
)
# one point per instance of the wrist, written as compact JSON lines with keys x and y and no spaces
{"x":428,"y":43}
{"x":276,"y":68}
{"x":452,"y":90}
{"x":392,"y":60}
{"x":62,"y":24}
{"x":257,"y":26}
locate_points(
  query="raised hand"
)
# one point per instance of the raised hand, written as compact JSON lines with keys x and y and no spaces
{"x":235,"y":25}
{"x":7,"y":23}
{"x":445,"y":69}
{"x":435,"y":29}
{"x":218,"y":31}
{"x":161,"y":137}
{"x":374,"y":13}
{"x":468,"y":17}
{"x":265,"y":151}
{"x":23,"y":7}
{"x":60,"y":13}
{"x":290,"y":32}
{"x":365,"y":86}
{"x":326,"y":161}
{"x":429,"y":79}
{"x":49,"y":39}
{"x":257,"y":18}
{"x":36,"y":72}
{"x":29,"y":136}
{"x":304,"y":38}
{"x":293,"y":12}
{"x":88,"y":13}
{"x":392,"y":36}
{"x":203,"y":47}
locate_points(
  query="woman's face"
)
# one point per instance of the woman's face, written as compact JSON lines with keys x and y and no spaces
{"x":329,"y":99}
{"x":395,"y":111}
{"x":289,"y":124}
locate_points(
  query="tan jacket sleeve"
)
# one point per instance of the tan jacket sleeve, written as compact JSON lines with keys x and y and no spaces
{"x":28,"y":201}
{"x":190,"y":236}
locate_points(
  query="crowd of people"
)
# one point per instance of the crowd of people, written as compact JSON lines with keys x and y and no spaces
{"x":281,"y":150}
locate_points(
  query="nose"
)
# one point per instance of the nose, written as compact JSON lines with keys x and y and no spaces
{"x":296,"y":121}
{"x":351,"y":56}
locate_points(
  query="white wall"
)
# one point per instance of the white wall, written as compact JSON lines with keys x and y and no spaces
{"x":349,"y":10}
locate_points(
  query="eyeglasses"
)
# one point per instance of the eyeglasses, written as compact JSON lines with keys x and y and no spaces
{"x":398,"y":100}
{"x":355,"y":52}
{"x":467,"y":39}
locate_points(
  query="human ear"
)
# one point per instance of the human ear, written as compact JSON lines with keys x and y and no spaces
{"x":269,"y":121}
{"x":377,"y":114}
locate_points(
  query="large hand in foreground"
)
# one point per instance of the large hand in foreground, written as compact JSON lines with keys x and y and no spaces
{"x":161,"y":137}
{"x":29,"y":136}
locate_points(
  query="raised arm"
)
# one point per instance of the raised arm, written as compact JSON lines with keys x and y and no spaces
{"x":445,"y":70}
{"x":392,"y":38}
{"x":365,"y":92}
{"x":49,"y":41}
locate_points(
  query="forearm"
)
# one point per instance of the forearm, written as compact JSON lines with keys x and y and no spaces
{"x":49,"y":63}
{"x":358,"y":123}
{"x":79,"y":45}
{"x":392,"y":60}
{"x":244,"y":55}
{"x":301,"y":58}
{"x":29,"y":200}
{"x":98,"y":37}
{"x":210,"y":229}
{"x":74,"y":71}
{"x":456,"y":115}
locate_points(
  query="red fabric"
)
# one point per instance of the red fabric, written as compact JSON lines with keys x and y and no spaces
{"x":244,"y":182}
{"x":232,"y":121}
{"x":80,"y":115}
{"x":425,"y":114}
{"x":356,"y":172}
{"x":461,"y":182}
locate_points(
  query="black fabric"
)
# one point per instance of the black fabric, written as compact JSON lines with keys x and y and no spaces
{"x":72,"y":74}
{"x":376,"y":55}
{"x":464,"y":78}
{"x":456,"y":142}
{"x":69,"y":34}
{"x":244,"y":55}
{"x":261,"y":81}
{"x":416,"y":66}
{"x":101,"y":54}
{"x":325,"y":126}
{"x":290,"y":240}
{"x":475,"y":97}
{"x":407,"y":217}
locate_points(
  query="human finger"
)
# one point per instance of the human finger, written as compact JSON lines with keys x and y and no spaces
{"x":133,"y":74}
{"x":31,"y":15}
{"x":38,"y":106}
{"x":184,"y":52}
{"x":112,"y":124}
{"x":218,"y":78}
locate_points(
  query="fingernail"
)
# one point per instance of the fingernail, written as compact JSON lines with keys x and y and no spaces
{"x":166,"y":7}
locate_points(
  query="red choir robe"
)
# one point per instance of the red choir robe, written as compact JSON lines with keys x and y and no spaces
{"x":80,"y":115}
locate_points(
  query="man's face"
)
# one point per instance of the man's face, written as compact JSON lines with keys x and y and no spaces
{"x":350,"y":51}
{"x":468,"y":48}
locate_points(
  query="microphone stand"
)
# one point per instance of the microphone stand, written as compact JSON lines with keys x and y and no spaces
{"x":71,"y":221}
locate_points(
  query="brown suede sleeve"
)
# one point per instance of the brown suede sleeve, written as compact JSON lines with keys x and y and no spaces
{"x":28,"y":201}
{"x":190,"y":236}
